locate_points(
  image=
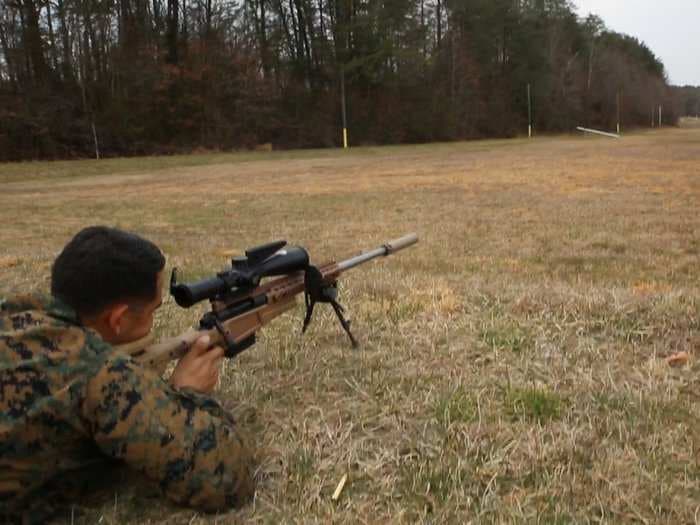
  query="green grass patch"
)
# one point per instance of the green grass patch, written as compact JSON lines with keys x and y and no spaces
{"x":533,"y":404}
{"x":506,"y":335}
{"x":614,"y":247}
{"x":300,"y":465}
{"x":457,"y":406}
{"x":428,"y":487}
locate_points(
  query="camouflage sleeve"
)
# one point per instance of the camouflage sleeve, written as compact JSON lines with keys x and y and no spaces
{"x":184,"y":441}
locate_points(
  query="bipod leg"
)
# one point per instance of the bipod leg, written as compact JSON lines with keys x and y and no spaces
{"x":339,"y":310}
{"x":309,"y":313}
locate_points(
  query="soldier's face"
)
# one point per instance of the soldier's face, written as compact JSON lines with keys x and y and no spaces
{"x":137,"y":320}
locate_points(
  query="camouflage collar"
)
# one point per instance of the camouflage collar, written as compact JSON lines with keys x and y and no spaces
{"x":43,"y":303}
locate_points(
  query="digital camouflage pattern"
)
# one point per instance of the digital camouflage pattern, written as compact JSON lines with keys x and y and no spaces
{"x":69,"y":401}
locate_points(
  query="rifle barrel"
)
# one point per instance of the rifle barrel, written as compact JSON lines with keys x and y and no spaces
{"x":384,"y":250}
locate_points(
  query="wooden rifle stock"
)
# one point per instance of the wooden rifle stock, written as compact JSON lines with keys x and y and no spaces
{"x":240,"y":328}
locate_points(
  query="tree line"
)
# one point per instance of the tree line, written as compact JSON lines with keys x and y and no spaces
{"x":129,"y":77}
{"x":689,"y":100}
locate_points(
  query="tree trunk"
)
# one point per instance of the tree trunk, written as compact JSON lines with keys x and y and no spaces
{"x":66,"y":44}
{"x":9,"y":60}
{"x":33,"y":43}
{"x":172,"y":32}
{"x":439,"y":22}
{"x":303,"y":34}
{"x":52,"y":39}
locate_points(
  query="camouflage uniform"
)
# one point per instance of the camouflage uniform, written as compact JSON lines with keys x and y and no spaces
{"x":68,"y":400}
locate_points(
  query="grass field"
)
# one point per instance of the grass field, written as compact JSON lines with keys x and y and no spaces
{"x":513,"y":364}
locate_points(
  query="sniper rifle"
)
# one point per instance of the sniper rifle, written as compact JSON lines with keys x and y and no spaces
{"x":241,"y":303}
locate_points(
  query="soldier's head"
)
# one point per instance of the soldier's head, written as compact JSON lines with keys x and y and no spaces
{"x":112,"y":279}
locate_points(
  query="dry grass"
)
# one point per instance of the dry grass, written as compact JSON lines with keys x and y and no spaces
{"x":512,"y":367}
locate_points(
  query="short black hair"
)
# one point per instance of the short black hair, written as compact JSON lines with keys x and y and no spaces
{"x":101,"y":265}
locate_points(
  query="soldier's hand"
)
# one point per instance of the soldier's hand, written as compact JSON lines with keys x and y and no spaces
{"x":199,"y":368}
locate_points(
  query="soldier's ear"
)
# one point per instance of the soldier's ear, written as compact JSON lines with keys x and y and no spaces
{"x":115,"y":317}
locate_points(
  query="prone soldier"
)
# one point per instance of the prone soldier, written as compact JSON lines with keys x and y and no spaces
{"x":70,"y":402}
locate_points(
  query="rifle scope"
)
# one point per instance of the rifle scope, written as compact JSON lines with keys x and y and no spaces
{"x":264,"y":261}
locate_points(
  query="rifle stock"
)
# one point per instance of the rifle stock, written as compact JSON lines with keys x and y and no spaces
{"x":240,"y":328}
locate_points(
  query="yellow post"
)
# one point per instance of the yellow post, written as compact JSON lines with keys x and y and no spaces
{"x":345,"y":138}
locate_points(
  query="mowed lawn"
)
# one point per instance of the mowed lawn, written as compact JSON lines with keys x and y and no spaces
{"x":513,"y":365}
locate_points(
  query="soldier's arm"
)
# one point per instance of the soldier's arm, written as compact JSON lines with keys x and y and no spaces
{"x":184,"y":441}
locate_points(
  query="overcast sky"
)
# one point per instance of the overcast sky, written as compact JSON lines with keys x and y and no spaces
{"x":670,"y":28}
